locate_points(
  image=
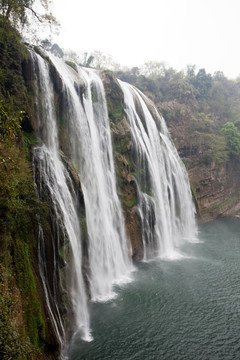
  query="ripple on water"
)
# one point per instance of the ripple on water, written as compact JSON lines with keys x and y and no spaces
{"x":176,"y":310}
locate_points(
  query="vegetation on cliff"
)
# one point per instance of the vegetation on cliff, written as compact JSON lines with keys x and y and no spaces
{"x":202,"y":112}
{"x":22,"y":326}
{"x":18,"y":234}
{"x":197,"y":103}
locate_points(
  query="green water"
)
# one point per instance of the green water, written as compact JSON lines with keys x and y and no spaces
{"x":184,"y":309}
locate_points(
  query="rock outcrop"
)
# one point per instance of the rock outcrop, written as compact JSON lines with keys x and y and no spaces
{"x":215,"y":185}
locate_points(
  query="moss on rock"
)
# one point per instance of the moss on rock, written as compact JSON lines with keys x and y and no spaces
{"x":18,"y":241}
{"x":35,"y":327}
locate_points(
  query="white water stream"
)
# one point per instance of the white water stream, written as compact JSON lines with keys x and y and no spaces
{"x":109,"y":254}
{"x":164,"y":192}
{"x":54,"y":179}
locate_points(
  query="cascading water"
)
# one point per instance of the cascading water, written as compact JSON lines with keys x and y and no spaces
{"x":108,"y":250}
{"x":53,"y":182}
{"x":165,"y":202}
{"x":164,"y":205}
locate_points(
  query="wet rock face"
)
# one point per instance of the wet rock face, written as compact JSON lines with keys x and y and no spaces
{"x":133,"y":225}
{"x":30,"y":121}
{"x":217,"y":190}
{"x":125,"y":165}
{"x":56,"y":79}
{"x":114,"y":96}
{"x":216,"y":186}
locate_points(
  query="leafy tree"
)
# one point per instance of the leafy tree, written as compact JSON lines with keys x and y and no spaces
{"x":18,"y":11}
{"x":219,"y":75}
{"x":232,"y":135}
{"x":102,"y":61}
{"x":153,"y":69}
{"x":11,"y":55}
{"x":191,"y":71}
{"x":203,"y":82}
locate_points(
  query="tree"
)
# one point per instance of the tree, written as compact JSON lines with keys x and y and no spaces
{"x":219,"y":75}
{"x":232,"y":135}
{"x":191,"y":69}
{"x":153,"y":69}
{"x":19,"y":11}
{"x":202,"y":82}
{"x":99,"y":60}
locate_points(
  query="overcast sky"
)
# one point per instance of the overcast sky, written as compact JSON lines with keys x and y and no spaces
{"x":179,"y":32}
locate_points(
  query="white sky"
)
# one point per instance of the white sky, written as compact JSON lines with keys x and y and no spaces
{"x":179,"y":32}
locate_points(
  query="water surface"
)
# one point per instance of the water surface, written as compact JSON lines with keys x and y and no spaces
{"x":184,"y":309}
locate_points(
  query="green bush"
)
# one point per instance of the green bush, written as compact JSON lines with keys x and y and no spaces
{"x":232,"y":135}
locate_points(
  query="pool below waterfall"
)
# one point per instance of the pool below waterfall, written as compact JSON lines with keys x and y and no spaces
{"x":183,"y":309}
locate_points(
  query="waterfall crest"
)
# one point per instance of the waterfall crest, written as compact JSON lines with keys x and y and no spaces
{"x":165,"y":202}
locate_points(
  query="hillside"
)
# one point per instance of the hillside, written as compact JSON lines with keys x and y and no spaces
{"x":202,"y":112}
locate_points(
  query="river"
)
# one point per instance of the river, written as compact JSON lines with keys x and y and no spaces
{"x":183,"y":309}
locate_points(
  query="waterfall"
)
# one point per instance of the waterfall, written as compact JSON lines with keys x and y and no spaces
{"x":72,"y":107}
{"x":165,"y":202}
{"x":53,"y":183}
{"x":108,"y":247}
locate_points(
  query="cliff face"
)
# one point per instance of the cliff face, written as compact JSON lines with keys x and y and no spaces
{"x":217,"y":189}
{"x":215,"y":184}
